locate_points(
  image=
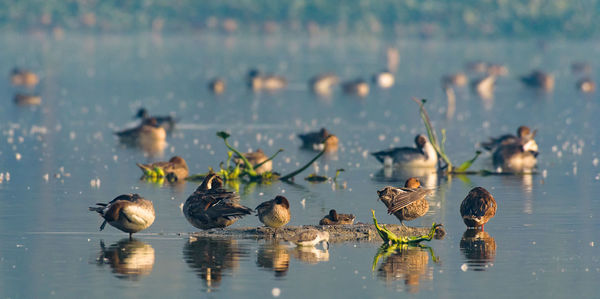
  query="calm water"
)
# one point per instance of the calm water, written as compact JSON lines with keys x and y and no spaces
{"x":544,"y":234}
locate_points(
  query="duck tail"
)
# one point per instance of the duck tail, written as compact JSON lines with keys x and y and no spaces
{"x":103,"y":225}
{"x":96,"y":209}
{"x":380,"y":156}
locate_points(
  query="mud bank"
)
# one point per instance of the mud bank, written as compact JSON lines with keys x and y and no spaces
{"x":337,"y":233}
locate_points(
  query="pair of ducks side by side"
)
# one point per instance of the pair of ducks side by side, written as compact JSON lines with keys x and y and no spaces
{"x":24,"y":77}
{"x":409,"y":203}
{"x":514,"y":153}
{"x":257,"y":81}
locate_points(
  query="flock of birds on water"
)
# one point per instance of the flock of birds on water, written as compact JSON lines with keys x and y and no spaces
{"x":212,"y":206}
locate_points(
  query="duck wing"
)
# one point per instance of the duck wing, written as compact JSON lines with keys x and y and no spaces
{"x":404,"y":199}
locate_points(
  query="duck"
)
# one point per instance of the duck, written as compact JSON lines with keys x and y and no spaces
{"x":539,"y":79}
{"x":256,"y":158}
{"x":424,"y":155}
{"x":406,"y":203}
{"x":457,"y":79}
{"x":357,"y":87}
{"x":517,"y":156}
{"x":523,"y":132}
{"x":586,"y":85}
{"x":384,"y":79}
{"x":175,"y":169}
{"x":478,"y":208}
{"x":333,"y":218}
{"x":484,"y":86}
{"x":24,"y":77}
{"x":167,"y":122}
{"x":22,"y":99}
{"x":211,"y":206}
{"x":147,"y":133}
{"x":319,"y":140}
{"x":217,"y":85}
{"x":129,"y":213}
{"x":581,"y":67}
{"x":322,"y":84}
{"x":275,"y":212}
{"x":257,"y":81}
{"x":308,"y":237}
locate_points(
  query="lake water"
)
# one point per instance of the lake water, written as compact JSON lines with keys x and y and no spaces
{"x":543,"y":241}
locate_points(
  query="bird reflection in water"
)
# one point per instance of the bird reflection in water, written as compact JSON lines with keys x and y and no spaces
{"x":405,"y":262}
{"x":212,"y":258}
{"x":274,"y":256}
{"x":310,"y":255}
{"x":479,"y":249}
{"x":129,"y":258}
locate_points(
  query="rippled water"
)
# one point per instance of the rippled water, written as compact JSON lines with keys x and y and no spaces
{"x":543,"y":240}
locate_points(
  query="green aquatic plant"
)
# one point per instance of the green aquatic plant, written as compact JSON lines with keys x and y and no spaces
{"x":245,"y":170}
{"x":315,"y":178}
{"x":389,"y":237}
{"x":440,"y":148}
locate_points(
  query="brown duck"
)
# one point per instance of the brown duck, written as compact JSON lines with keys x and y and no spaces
{"x":211,"y":206}
{"x":406,"y":203}
{"x":128,"y":212}
{"x":176,"y":169}
{"x":478,"y":207}
{"x":333,"y":218}
{"x":275,"y":212}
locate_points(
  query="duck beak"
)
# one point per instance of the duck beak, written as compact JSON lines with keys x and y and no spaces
{"x":535,"y":154}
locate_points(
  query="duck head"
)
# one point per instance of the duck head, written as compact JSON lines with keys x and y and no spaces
{"x":420,"y":141}
{"x":412,"y":183}
{"x":211,"y":181}
{"x":142,"y":113}
{"x":333,"y":215}
{"x":281,"y":200}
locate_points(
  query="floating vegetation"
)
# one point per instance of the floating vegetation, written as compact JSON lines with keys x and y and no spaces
{"x":244,"y":171}
{"x":315,"y":178}
{"x":390,"y":238}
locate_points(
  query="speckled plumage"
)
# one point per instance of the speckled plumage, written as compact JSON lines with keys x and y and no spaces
{"x":406,"y":203}
{"x":274,"y":213}
{"x":478,"y":207}
{"x":128,"y":212}
{"x":211,"y":206}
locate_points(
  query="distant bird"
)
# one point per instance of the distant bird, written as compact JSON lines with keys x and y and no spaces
{"x":217,"y":86}
{"x":129,"y":213}
{"x":175,"y":170}
{"x":333,"y":218}
{"x":586,"y":85}
{"x":24,"y":77}
{"x":148,"y":132}
{"x":357,"y":87}
{"x":274,"y":213}
{"x":539,"y":79}
{"x":308,"y":237}
{"x":318,"y":140}
{"x":478,"y":207}
{"x":581,"y":68}
{"x":523,"y":132}
{"x":211,"y":206}
{"x":323,"y":84}
{"x":457,"y":79}
{"x":406,"y":203}
{"x":516,"y":157}
{"x":256,"y":158}
{"x":22,"y":99}
{"x":258,"y":81}
{"x":167,"y":122}
{"x":484,"y":86}
{"x":384,"y":79}
{"x":424,"y":155}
